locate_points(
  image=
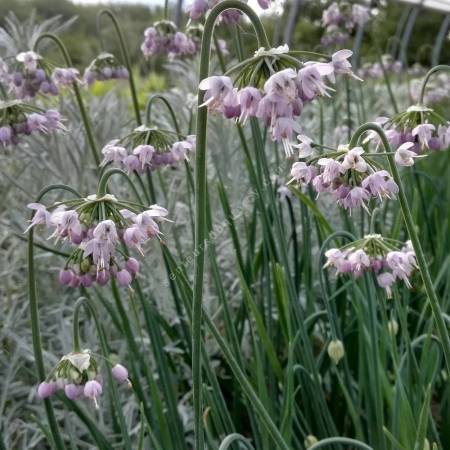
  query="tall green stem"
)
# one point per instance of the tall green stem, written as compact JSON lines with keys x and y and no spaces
{"x":200,"y":200}
{"x":411,"y":228}
{"x":125,"y":58}
{"x":76,"y":89}
{"x":34,"y":318}
{"x":427,"y":78}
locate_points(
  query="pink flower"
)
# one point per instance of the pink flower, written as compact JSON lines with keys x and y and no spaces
{"x":331,"y":169}
{"x":310,"y":83}
{"x":249,"y":98}
{"x":302,"y":173}
{"x":123,"y":277}
{"x":73,"y":391}
{"x":92,"y":390}
{"x":113,"y":153}
{"x":359,"y":260}
{"x":353,"y":160}
{"x":197,"y":9}
{"x":106,"y":231}
{"x":132,"y":265}
{"x":282,"y":131}
{"x":40,"y":217}
{"x":380,"y":184}
{"x":304,"y":147}
{"x":423,"y":133}
{"x":46,"y":390}
{"x":357,"y":196}
{"x":386,"y":280}
{"x":217,"y":88}
{"x":145,"y":154}
{"x":404,"y":156}
{"x":120,"y":373}
{"x":283,"y":84}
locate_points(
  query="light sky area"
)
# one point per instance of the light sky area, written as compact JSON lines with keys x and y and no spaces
{"x":252,"y":3}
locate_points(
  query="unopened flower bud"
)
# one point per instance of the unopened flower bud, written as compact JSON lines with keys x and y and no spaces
{"x":336,"y":351}
{"x":393,"y":327}
{"x":310,"y":440}
{"x":46,"y":390}
{"x":120,"y":373}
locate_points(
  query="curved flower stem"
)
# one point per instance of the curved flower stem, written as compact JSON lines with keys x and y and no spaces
{"x":148,"y":111}
{"x":76,"y":89}
{"x":103,"y":183}
{"x":427,"y":77}
{"x":200,"y":200}
{"x":410,"y":227}
{"x":89,"y":305}
{"x":235,"y":437}
{"x":34,"y":317}
{"x":340,"y":440}
{"x":125,"y":57}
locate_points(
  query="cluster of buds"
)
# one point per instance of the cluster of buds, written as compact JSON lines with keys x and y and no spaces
{"x":105,"y":67}
{"x":163,"y":38}
{"x":77,"y":374}
{"x":375,"y":70}
{"x":387,"y":259}
{"x":98,"y":227}
{"x":19,"y":119}
{"x":339,"y":20}
{"x":277,"y":99}
{"x":149,"y":149}
{"x":412,"y":133}
{"x":31,"y":74}
{"x":349,"y":175}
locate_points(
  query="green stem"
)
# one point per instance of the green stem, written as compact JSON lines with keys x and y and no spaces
{"x":76,"y":89}
{"x":125,"y":57}
{"x":200,"y":201}
{"x":340,"y":440}
{"x":427,"y":78}
{"x":411,"y":228}
{"x":34,"y":317}
{"x":148,"y":111}
{"x":103,"y":183}
{"x":88,"y":303}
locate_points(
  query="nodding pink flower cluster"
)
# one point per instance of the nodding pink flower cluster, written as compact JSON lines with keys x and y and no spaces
{"x":340,"y":20}
{"x":413,"y":133}
{"x":375,"y":70}
{"x":146,"y":157}
{"x":32,"y":75}
{"x":97,"y":255}
{"x":77,"y":375}
{"x":18,"y":119}
{"x":282,"y":98}
{"x":163,"y":38}
{"x":62,"y":77}
{"x":105,"y":67}
{"x":377,"y":255}
{"x":349,"y":176}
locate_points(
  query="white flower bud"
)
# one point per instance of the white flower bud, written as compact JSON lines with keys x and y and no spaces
{"x":336,"y":351}
{"x":393,"y":327}
{"x":310,"y":440}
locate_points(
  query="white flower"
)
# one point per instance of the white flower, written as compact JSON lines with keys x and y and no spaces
{"x":304,"y":148}
{"x":404,"y":156}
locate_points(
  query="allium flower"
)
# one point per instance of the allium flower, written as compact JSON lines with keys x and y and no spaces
{"x":217,"y":88}
{"x":78,"y":376}
{"x":197,"y":9}
{"x":310,"y":81}
{"x":163,"y":38}
{"x":404,"y":156}
{"x":18,"y":119}
{"x":249,"y":98}
{"x":423,"y":133}
{"x":353,"y":160}
{"x":150,"y":149}
{"x":97,"y":255}
{"x":305,"y":148}
{"x":105,"y":67}
{"x":63,"y":77}
{"x":389,"y":260}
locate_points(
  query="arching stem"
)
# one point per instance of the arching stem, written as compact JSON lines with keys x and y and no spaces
{"x":433,"y":70}
{"x":411,"y":229}
{"x":76,"y":89}
{"x":125,"y":58}
{"x":200,"y":200}
{"x":34,"y":318}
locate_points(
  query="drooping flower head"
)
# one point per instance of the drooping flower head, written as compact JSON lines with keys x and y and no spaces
{"x":105,"y":67}
{"x":387,"y":259}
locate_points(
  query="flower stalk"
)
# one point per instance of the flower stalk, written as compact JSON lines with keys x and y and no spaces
{"x":413,"y":235}
{"x":78,"y":96}
{"x":200,"y":200}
